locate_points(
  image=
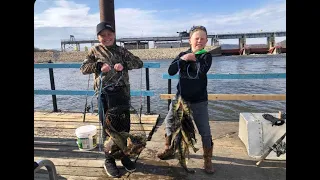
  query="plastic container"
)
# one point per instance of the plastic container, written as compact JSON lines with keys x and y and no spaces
{"x":86,"y":137}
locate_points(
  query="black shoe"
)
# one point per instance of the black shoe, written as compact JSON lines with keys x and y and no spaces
{"x":274,"y":120}
{"x":111,"y":168}
{"x":128,"y":164}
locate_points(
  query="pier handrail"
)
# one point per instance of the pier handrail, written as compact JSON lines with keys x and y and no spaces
{"x":55,"y":92}
{"x":235,"y":76}
{"x":49,"y":165}
{"x":232,"y":97}
{"x":78,"y":65}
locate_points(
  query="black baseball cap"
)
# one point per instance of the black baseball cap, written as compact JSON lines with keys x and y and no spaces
{"x":104,"y":25}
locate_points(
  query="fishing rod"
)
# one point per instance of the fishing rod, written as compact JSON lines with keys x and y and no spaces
{"x":85,"y":106}
{"x":140,"y":96}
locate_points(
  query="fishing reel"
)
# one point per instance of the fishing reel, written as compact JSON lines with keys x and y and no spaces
{"x":280,"y":148}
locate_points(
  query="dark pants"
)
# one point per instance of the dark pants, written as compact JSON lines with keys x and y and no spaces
{"x":116,"y":108}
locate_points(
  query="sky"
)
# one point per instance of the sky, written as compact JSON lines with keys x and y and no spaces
{"x":58,"y":19}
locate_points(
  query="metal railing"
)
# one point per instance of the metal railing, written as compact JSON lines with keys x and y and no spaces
{"x":55,"y":92}
{"x":51,"y":168}
{"x":169,"y":96}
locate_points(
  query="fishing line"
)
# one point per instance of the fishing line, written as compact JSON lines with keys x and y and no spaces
{"x":198,"y":69}
{"x":100,"y":111}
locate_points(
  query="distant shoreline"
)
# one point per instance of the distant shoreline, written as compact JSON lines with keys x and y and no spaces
{"x":143,"y":54}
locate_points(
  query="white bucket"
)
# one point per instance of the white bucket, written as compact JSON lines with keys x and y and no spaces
{"x":86,"y":137}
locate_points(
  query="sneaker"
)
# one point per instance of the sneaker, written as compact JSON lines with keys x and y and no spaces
{"x":128,"y":164}
{"x":111,"y":168}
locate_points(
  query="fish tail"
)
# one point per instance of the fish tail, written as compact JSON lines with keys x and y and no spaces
{"x":182,"y":152}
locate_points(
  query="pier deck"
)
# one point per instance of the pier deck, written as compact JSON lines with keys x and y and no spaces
{"x":54,"y":139}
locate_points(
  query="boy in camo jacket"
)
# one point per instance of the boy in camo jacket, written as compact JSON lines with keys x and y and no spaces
{"x":114,"y":62}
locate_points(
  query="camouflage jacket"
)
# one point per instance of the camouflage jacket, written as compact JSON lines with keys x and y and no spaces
{"x":111,"y":56}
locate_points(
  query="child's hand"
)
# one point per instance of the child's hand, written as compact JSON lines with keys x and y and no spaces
{"x":118,"y":67}
{"x":105,"y":68}
{"x":189,"y":57}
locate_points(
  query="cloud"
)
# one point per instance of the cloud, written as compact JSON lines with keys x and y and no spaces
{"x":268,"y":18}
{"x":68,"y":17}
{"x":66,"y":14}
{"x":41,"y":1}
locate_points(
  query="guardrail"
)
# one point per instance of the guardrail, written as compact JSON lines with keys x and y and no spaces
{"x":279,"y":97}
{"x":55,"y":92}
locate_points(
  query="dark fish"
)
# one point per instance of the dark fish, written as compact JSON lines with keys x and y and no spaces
{"x":184,"y":135}
{"x":136,"y":143}
{"x":119,"y":138}
{"x":183,"y":151}
{"x":133,"y":146}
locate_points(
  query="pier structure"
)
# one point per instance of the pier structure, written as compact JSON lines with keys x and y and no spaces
{"x":141,"y":42}
{"x":55,"y":138}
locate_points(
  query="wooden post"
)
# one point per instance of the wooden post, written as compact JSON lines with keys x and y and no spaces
{"x":107,"y":12}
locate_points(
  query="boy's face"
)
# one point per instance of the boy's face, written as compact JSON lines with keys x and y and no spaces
{"x":198,"y":40}
{"x":106,"y":37}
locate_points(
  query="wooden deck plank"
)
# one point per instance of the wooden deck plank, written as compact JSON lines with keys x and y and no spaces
{"x":70,"y":153}
{"x":133,"y":119}
{"x":75,"y":125}
{"x":70,"y":128}
{"x":89,"y":117}
{"x":63,"y":148}
{"x":98,"y":163}
{"x":77,"y":114}
{"x":230,"y":157}
{"x":69,"y":133}
{"x":43,"y":176}
{"x":80,"y":171}
{"x":45,"y":127}
{"x":55,"y":140}
{"x":66,"y":115}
